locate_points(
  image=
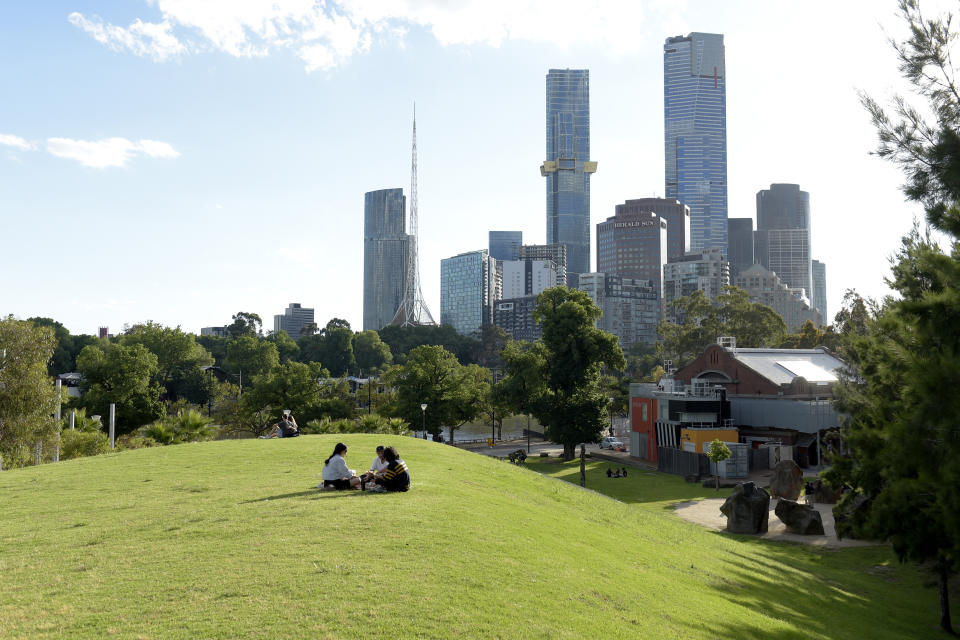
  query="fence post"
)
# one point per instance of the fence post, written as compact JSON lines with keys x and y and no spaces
{"x":56,"y":445}
{"x":73,"y":418}
{"x":113,"y":422}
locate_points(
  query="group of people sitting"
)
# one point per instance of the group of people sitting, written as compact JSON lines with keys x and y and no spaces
{"x":617,"y":473}
{"x":286,"y":428}
{"x":387,"y":472}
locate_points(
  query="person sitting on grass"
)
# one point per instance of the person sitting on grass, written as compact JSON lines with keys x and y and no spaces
{"x":377,"y":467}
{"x":336,"y":474}
{"x":286,"y":428}
{"x":609,"y":473}
{"x":395,"y":477}
{"x":623,"y":472}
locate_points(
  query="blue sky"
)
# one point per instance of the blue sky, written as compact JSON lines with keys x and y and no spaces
{"x":182,"y":160}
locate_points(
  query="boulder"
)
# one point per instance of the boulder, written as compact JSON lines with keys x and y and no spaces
{"x":787,"y":480}
{"x":823,"y":494}
{"x":802,"y":519}
{"x":747,"y":509}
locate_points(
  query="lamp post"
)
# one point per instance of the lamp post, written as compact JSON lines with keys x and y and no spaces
{"x":611,"y":416}
{"x":423,"y":410}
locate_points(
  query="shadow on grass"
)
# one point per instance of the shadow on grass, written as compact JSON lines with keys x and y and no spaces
{"x":818,"y":593}
{"x":310,"y":492}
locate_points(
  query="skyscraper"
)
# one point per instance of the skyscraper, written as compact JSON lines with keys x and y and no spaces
{"x":633,"y":244}
{"x":469,"y":286}
{"x":819,"y":297}
{"x":567,"y":167}
{"x":676,"y":214}
{"x":783,"y":234}
{"x":293,"y":319}
{"x":740,"y":245}
{"x":695,"y":134}
{"x":505,"y":245}
{"x":385,"y":245}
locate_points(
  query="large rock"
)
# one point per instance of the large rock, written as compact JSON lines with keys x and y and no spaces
{"x":802,"y":519}
{"x":787,"y":480}
{"x":747,"y":509}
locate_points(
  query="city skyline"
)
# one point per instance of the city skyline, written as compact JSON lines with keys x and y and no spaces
{"x":210,"y":168}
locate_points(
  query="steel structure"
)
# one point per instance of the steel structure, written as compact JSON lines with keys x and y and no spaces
{"x":413,"y":309}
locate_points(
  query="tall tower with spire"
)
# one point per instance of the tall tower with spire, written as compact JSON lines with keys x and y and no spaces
{"x":413,"y":309}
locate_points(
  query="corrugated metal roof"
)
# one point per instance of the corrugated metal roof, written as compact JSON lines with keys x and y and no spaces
{"x":781,"y":366}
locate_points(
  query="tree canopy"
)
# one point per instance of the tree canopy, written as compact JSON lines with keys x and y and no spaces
{"x":902,"y":441}
{"x":123,"y":375}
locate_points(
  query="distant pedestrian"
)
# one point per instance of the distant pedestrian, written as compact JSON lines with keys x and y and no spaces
{"x":624,"y":472}
{"x":609,"y":473}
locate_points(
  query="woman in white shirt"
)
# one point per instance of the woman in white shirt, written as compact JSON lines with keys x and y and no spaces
{"x":336,"y":474}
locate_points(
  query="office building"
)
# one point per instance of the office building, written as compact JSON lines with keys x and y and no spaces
{"x":568,"y":167}
{"x":555,"y":252}
{"x":783,"y":234}
{"x":505,"y":245}
{"x":385,"y":246}
{"x":631,"y":308}
{"x":766,"y":287}
{"x":470,"y":284}
{"x":633,"y":244}
{"x":676,"y":214}
{"x":293,"y":320}
{"x":740,"y":245}
{"x":528,"y":277}
{"x":707,"y":271}
{"x":819,"y":296}
{"x":217,"y":332}
{"x":515,"y":316}
{"x":695,"y":134}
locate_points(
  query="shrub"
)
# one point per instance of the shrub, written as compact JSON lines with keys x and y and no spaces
{"x":369,"y":423}
{"x":135,"y":441}
{"x":80,"y":444}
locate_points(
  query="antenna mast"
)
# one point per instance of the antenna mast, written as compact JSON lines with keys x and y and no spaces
{"x":413,"y":309}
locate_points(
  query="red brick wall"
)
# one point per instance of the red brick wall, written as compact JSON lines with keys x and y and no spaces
{"x":716,"y":358}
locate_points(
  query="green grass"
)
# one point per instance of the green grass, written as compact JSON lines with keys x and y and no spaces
{"x":229,"y":539}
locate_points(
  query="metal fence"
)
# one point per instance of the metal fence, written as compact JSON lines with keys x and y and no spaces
{"x":682,"y":463}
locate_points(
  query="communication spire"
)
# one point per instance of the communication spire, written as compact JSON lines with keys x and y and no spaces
{"x":413,"y":309}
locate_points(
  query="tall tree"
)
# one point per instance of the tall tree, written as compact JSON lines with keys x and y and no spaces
{"x":122,"y":375}
{"x":452,"y":392}
{"x":570,"y":402}
{"x":245,"y":324}
{"x":371,"y":353}
{"x":332,"y":347}
{"x":903,"y":438}
{"x":248,"y":356}
{"x":28,"y":397}
{"x":179,"y":357}
{"x":287,"y":348}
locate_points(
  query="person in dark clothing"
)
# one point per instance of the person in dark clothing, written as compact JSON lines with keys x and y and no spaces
{"x":609,"y":473}
{"x":624,"y":472}
{"x":395,"y":477}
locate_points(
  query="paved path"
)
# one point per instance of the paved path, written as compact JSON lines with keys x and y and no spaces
{"x":707,"y":513}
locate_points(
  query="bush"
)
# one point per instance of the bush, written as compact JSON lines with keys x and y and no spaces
{"x":81,"y":444}
{"x":186,"y":426}
{"x":369,"y":423}
{"x":135,"y":441}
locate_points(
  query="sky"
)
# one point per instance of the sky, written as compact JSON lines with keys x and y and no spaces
{"x":182,"y":160}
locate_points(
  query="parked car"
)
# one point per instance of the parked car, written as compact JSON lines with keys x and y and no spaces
{"x":611,"y":443}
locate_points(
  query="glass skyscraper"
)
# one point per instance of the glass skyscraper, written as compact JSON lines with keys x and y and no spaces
{"x":385,"y":245}
{"x":567,"y":167}
{"x":783,"y":234}
{"x":469,"y":286}
{"x":505,"y":245}
{"x":695,"y":134}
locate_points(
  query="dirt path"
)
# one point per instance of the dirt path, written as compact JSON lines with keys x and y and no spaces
{"x":707,"y":513}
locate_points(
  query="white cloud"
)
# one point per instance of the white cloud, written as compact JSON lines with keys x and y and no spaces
{"x":152,"y":40}
{"x":324,"y":34}
{"x":109,"y":152}
{"x":157,"y":149}
{"x":16,"y":142}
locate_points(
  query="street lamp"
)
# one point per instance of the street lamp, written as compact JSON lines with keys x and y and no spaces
{"x":423,"y":410}
{"x":611,"y":416}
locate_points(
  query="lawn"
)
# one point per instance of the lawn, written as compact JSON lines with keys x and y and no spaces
{"x":230,"y":539}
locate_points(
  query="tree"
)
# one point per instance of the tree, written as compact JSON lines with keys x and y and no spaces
{"x":332,"y":347}
{"x":525,"y":383}
{"x":717,"y":453}
{"x":122,"y":375}
{"x":28,"y":397}
{"x":287,"y":348}
{"x":293,"y":385}
{"x":371,"y":353}
{"x":179,"y":359}
{"x":64,"y":358}
{"x":245,"y":324}
{"x":569,"y":399}
{"x":452,"y":392}
{"x":402,"y":340}
{"x":249,"y":356}
{"x":902,"y":458}
{"x":729,"y":314}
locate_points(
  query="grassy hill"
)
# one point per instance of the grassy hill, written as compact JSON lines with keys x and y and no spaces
{"x":230,"y":539}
